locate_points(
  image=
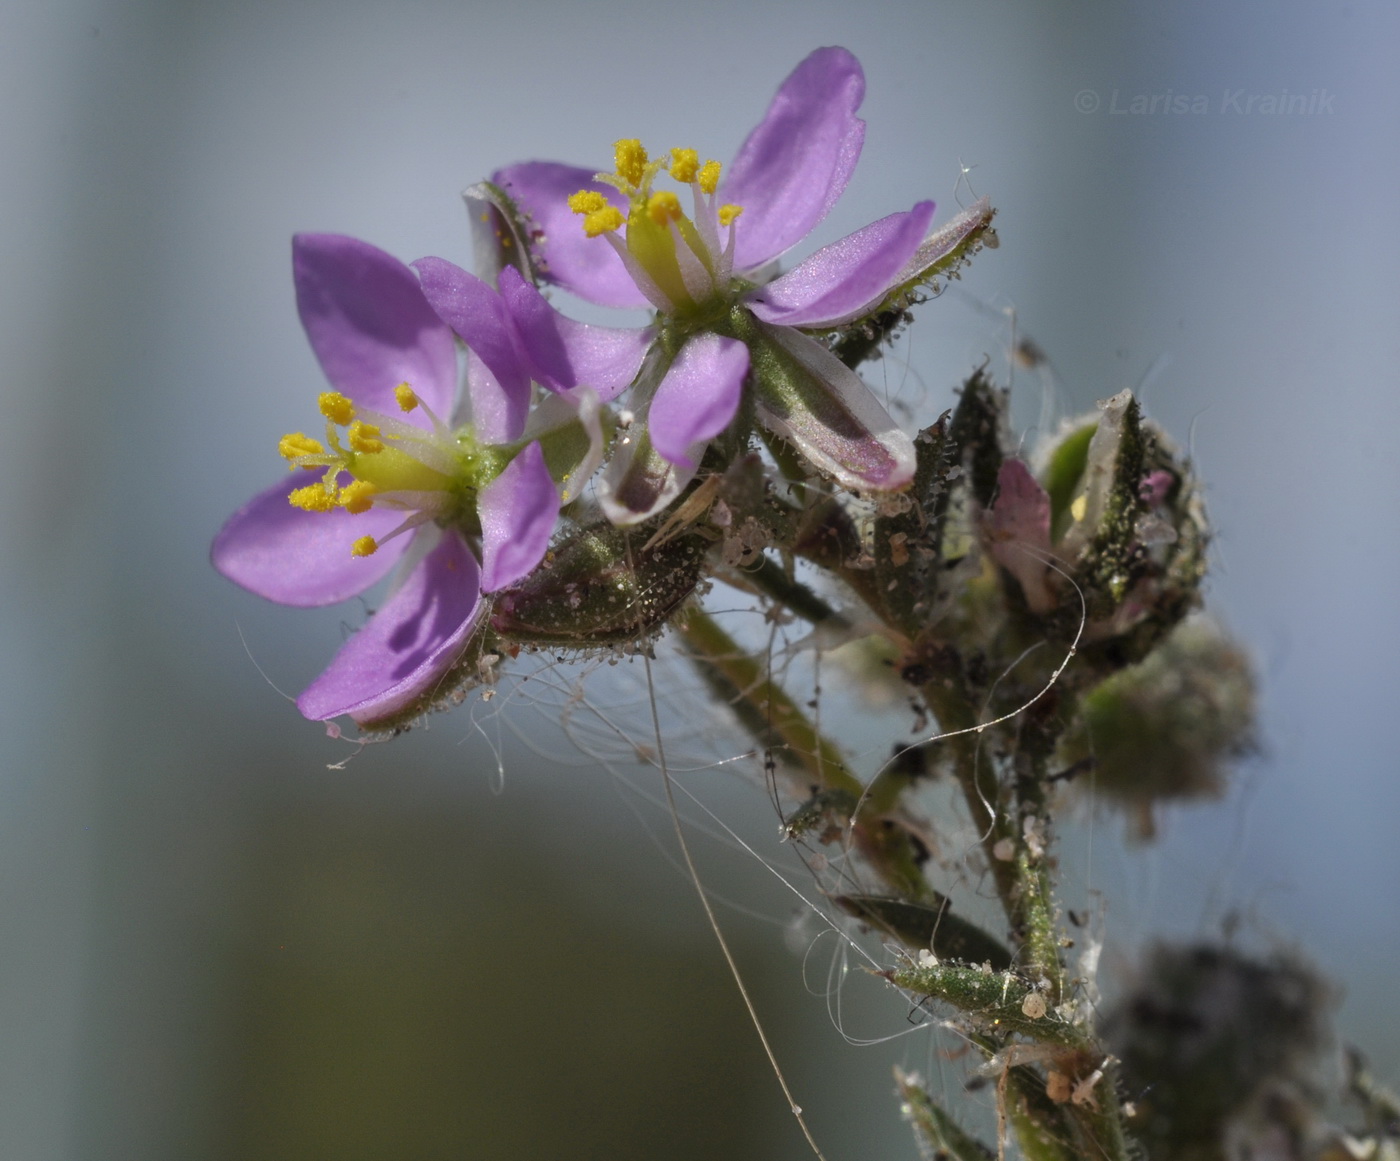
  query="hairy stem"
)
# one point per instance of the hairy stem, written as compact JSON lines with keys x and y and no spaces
{"x":815,"y":764}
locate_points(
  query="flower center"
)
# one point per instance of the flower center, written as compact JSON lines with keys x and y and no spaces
{"x":677,"y":260}
{"x":429,"y":474}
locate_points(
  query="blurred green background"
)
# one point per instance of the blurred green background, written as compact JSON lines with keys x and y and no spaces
{"x":216,"y":947}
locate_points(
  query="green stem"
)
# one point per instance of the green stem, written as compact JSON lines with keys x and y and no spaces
{"x":770,"y":578}
{"x":765,"y":707}
{"x":983,"y":798}
{"x":1022,"y":880}
{"x":777,"y":723}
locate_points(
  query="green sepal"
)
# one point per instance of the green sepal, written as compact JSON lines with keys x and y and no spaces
{"x":917,"y":925}
{"x":1111,"y":563}
{"x":907,"y":552}
{"x":1063,"y":473}
{"x":601,"y":585}
{"x":500,"y":233}
{"x":977,"y":432}
{"x":940,"y":257}
{"x":827,"y":814}
{"x":993,"y":1000}
{"x":942,"y":1135}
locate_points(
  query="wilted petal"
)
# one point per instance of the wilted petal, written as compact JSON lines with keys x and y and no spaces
{"x":563,"y":254}
{"x":847,"y":279}
{"x":408,"y":645}
{"x":301,"y":558}
{"x":697,"y":398}
{"x":638,"y":483}
{"x":1155,"y":487}
{"x":564,"y":353}
{"x":475,"y":311}
{"x":808,"y":396}
{"x":369,"y":324}
{"x":795,"y":164}
{"x":518,"y":510}
{"x":1017,"y":531}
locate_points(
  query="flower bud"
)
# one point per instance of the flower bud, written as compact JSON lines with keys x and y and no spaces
{"x":1213,"y":1044}
{"x":1165,"y":728}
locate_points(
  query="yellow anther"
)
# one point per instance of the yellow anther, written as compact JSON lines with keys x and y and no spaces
{"x":587,"y":201}
{"x":406,"y":397}
{"x":709,"y":176}
{"x":364,"y":437}
{"x":295,"y":444}
{"x":365,"y":546}
{"x":603,"y":221}
{"x":313,"y":498}
{"x":685,"y":164}
{"x":357,"y":496}
{"x":335,"y":407}
{"x":631,"y":160}
{"x":728,"y":213}
{"x":663,"y":206}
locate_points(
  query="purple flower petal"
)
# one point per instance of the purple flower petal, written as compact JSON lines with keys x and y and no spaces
{"x":697,"y":398}
{"x":805,"y":394}
{"x":796,"y":163}
{"x":564,"y":353}
{"x":475,"y":311}
{"x":301,"y":558}
{"x":847,"y":279}
{"x":1155,"y":487}
{"x":369,"y":324}
{"x":495,"y":415}
{"x":518,"y":510}
{"x":564,"y":255}
{"x":407,"y":646}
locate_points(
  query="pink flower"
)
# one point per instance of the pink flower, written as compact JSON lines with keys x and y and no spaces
{"x":724,"y":331}
{"x":468,"y":502}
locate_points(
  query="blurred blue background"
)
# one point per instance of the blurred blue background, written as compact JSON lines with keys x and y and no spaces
{"x":214,"y":946}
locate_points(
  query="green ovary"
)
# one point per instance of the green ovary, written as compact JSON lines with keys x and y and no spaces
{"x":394,"y":470}
{"x":654,"y":248}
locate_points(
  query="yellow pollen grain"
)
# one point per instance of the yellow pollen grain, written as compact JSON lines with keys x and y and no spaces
{"x":357,"y":496}
{"x":685,"y":164}
{"x":365,"y":546}
{"x":663,"y":206}
{"x":364,"y":437}
{"x":296,"y":443}
{"x":728,"y":213}
{"x":631,"y":160}
{"x":312,"y":498}
{"x":587,"y":201}
{"x":335,"y":407}
{"x":406,"y":397}
{"x":603,"y":221}
{"x":709,"y":176}
{"x":1079,"y":507}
